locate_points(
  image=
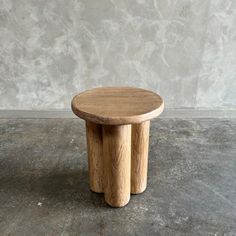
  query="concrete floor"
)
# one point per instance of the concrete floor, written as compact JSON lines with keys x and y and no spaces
{"x":191,"y":182}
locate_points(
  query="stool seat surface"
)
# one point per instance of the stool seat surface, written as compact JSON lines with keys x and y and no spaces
{"x":117,"y":105}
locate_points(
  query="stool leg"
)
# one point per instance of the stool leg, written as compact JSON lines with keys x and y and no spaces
{"x":95,"y":163}
{"x":117,"y":161}
{"x":139,"y":157}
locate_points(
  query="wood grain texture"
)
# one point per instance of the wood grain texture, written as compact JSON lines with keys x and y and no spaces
{"x":95,"y":156}
{"x":117,"y":105}
{"x":117,"y":161}
{"x":139,"y":157}
{"x":117,"y":124}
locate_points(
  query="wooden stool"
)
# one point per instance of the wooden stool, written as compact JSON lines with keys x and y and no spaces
{"x":117,"y":127}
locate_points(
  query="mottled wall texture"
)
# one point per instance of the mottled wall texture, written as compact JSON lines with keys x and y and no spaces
{"x":183,"y":49}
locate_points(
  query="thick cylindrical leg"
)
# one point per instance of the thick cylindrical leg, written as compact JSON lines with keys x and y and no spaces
{"x":95,"y":156}
{"x":139,"y":157}
{"x":117,"y":160}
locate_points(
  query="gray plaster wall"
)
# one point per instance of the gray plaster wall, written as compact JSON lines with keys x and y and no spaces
{"x":183,"y":49}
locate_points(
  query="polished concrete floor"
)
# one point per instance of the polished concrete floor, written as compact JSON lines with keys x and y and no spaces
{"x":191,"y":181}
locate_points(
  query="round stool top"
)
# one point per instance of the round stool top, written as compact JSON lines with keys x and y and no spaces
{"x":117,"y":105}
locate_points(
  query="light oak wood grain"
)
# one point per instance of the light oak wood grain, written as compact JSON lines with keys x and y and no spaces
{"x":139,"y":157}
{"x":117,"y":105}
{"x":117,"y":125}
{"x":95,"y":156}
{"x":117,"y":160}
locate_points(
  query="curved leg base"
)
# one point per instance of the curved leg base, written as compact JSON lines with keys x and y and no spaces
{"x":118,"y":160}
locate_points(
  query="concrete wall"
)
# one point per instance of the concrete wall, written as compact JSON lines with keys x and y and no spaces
{"x":183,"y":49}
